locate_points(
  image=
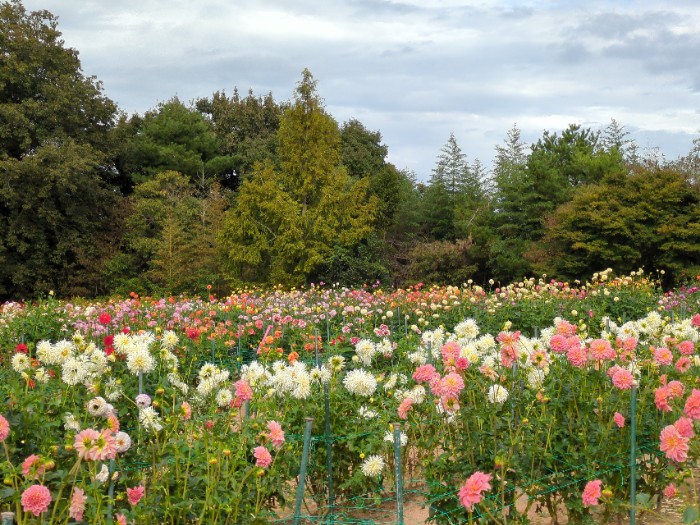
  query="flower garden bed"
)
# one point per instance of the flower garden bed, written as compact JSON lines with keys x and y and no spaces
{"x":513,"y":402}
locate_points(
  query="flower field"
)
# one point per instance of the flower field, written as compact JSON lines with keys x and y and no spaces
{"x":504,"y":402}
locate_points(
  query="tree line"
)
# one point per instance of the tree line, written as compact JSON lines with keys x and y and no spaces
{"x":236,"y":189}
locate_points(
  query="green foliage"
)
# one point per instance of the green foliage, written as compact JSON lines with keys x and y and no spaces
{"x":53,"y":213}
{"x":607,"y":224}
{"x":285,"y":223}
{"x":43,"y":94}
{"x":246,"y":127}
{"x":363,"y":263}
{"x":172,"y":138}
{"x":442,"y":262}
{"x":171,"y":239}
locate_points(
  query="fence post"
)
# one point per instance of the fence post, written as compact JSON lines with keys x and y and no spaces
{"x":398,"y":473}
{"x":302,"y":470}
{"x":329,"y":454}
{"x":633,"y":454}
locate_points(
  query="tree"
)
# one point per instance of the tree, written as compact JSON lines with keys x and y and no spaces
{"x":286,"y":222}
{"x":171,"y":238}
{"x":449,"y":180}
{"x":172,"y":137}
{"x":53,"y":214}
{"x":615,"y":138}
{"x":43,"y":93}
{"x":246,"y":127}
{"x":609,"y":225}
{"x":57,"y":206}
{"x":364,"y":155}
{"x":512,"y":222}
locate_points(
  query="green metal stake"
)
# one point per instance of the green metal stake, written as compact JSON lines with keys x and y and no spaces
{"x":329,"y":454}
{"x":213,"y":343}
{"x":633,"y":454}
{"x":302,"y":470}
{"x":399,"y":473}
{"x":8,"y":518}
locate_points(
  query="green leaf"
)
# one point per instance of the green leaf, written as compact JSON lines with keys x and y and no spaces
{"x":691,"y":515}
{"x":7,"y":492}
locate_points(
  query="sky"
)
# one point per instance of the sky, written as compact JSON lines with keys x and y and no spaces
{"x":415,"y":70}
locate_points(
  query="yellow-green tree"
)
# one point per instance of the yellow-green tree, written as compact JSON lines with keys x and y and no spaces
{"x":287,"y":220}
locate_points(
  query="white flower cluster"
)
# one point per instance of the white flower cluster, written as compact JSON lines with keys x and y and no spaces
{"x":360,"y":382}
{"x":467,"y":329}
{"x":293,"y":379}
{"x":365,"y":351}
{"x":372,"y":466}
{"x":211,"y":377}
{"x":150,"y":420}
{"x":497,"y":394}
{"x":389,"y":436}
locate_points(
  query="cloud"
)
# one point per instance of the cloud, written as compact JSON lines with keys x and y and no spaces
{"x":416,"y":70}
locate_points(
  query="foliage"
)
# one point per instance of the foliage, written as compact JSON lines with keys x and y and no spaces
{"x":172,"y":138}
{"x":44,"y":95}
{"x":247,"y":128}
{"x":286,"y":222}
{"x":432,"y":358}
{"x":442,"y":262}
{"x":609,"y":224}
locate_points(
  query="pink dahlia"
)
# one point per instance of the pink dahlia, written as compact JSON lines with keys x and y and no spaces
{"x":470,"y":493}
{"x":4,"y":428}
{"x":36,"y":499}
{"x":77,"y":504}
{"x":135,"y":494}
{"x":591,"y":493}
{"x":275,"y":434}
{"x":673,"y":444}
{"x":262,"y":457}
{"x":692,"y":404}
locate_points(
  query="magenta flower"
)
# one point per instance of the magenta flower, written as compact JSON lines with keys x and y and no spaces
{"x":619,"y":419}
{"x":135,"y":494}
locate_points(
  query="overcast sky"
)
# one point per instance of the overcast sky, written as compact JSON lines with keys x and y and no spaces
{"x":416,"y":70}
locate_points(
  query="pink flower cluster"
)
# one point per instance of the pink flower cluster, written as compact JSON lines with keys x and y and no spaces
{"x":591,"y":493}
{"x":275,"y":434}
{"x":36,"y":499}
{"x":135,"y":494}
{"x":262,"y":456}
{"x":509,"y":347}
{"x":471,"y":492}
{"x":621,"y":377}
{"x":96,"y":446}
{"x":674,"y":440}
{"x":4,"y":428}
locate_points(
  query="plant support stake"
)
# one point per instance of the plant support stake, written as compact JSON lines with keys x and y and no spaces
{"x":633,"y":454}
{"x":398,"y":474}
{"x":302,"y":470}
{"x":329,"y":454}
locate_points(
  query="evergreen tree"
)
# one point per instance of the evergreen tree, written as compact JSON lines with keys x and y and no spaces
{"x":172,"y":138}
{"x":246,"y":127}
{"x":286,"y":222}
